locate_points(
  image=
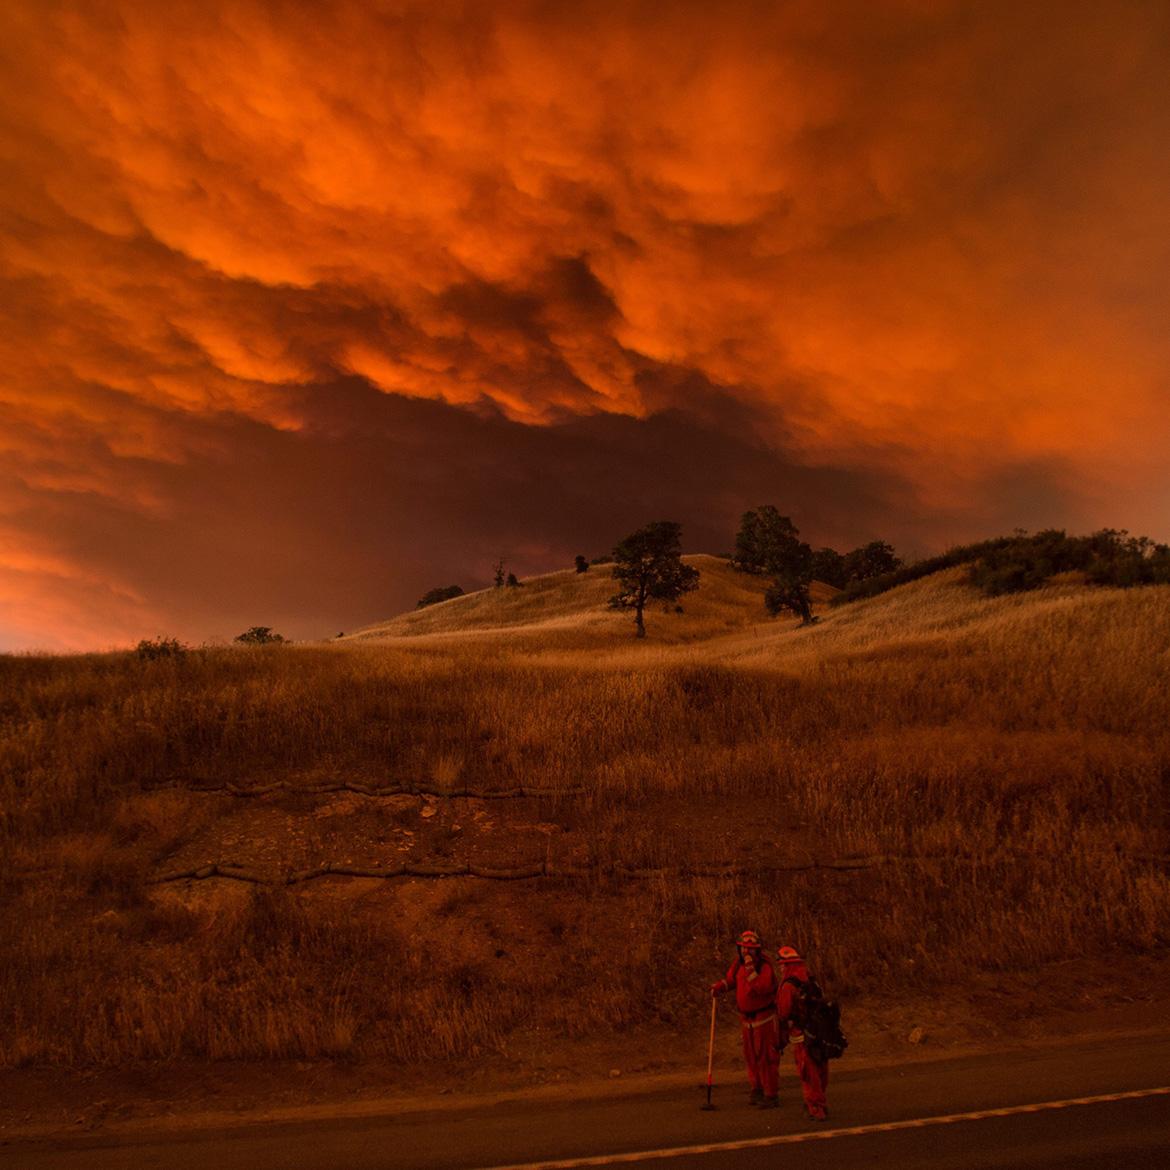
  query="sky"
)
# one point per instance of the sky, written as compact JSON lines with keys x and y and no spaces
{"x":309,"y":307}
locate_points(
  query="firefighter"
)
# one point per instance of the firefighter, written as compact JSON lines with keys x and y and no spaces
{"x":754,"y":980}
{"x":811,"y":1068}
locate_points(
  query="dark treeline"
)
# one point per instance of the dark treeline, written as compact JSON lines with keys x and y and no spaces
{"x":1014,"y":564}
{"x":648,"y":567}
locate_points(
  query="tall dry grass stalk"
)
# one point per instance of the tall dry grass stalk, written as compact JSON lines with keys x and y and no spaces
{"x":1010,"y":756}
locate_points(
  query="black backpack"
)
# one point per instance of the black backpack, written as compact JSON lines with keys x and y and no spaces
{"x":819,"y":1019}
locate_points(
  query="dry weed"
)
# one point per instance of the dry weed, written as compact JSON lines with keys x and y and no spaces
{"x":1008,"y":755}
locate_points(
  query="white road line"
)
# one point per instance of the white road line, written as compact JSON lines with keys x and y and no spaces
{"x":820,"y":1135}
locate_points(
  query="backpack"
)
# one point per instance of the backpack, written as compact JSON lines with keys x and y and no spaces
{"x":819,"y":1019}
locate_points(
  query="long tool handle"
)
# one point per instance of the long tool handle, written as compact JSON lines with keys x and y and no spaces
{"x":711,"y":1050}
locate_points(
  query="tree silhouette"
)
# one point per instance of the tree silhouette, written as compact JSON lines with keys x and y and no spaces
{"x":581,"y":564}
{"x":259,"y":636}
{"x":440,"y":593}
{"x":648,"y":567}
{"x":769,"y":544}
{"x":828,"y":565}
{"x":871,"y":560}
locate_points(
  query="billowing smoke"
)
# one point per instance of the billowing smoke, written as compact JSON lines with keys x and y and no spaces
{"x":308,"y":307}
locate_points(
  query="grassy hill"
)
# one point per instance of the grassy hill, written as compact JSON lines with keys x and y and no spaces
{"x":920,"y":781}
{"x":557,"y":603}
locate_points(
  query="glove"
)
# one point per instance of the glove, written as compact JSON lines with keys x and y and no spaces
{"x":716,"y":988}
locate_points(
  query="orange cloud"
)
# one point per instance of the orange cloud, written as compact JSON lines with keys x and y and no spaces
{"x":926,"y":242}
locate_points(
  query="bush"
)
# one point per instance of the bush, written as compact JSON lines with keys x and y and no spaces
{"x":151,"y":649}
{"x":442,"y":593}
{"x":259,"y":636}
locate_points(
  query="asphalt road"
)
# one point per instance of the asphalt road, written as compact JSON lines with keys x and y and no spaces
{"x":910,"y":1117}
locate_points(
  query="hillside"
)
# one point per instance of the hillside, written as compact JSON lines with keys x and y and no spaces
{"x":315,"y":839}
{"x":569,"y":601}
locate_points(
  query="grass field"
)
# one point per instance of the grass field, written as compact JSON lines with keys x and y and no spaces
{"x":1002,"y":768}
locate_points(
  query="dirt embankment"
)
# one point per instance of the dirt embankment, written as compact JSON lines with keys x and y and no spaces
{"x":1066,"y":1004}
{"x":917,"y":791}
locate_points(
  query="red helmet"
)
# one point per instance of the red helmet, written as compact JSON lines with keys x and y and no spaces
{"x":748,"y":938}
{"x":788,"y":955}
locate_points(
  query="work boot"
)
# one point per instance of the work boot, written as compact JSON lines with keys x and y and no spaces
{"x":819,"y":1114}
{"x":769,"y":1102}
{"x":755,"y":1097}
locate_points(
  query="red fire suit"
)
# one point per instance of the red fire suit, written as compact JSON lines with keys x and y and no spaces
{"x":813,"y":1074}
{"x":755,"y":997}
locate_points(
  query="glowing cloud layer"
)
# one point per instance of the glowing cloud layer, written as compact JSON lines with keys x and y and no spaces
{"x":346,"y":298}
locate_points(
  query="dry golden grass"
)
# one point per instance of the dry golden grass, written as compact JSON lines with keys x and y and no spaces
{"x":556,"y":606}
{"x":1008,"y":756}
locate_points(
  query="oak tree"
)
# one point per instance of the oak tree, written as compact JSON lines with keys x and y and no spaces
{"x":648,"y":567}
{"x":769,"y":545}
{"x":871,"y":560}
